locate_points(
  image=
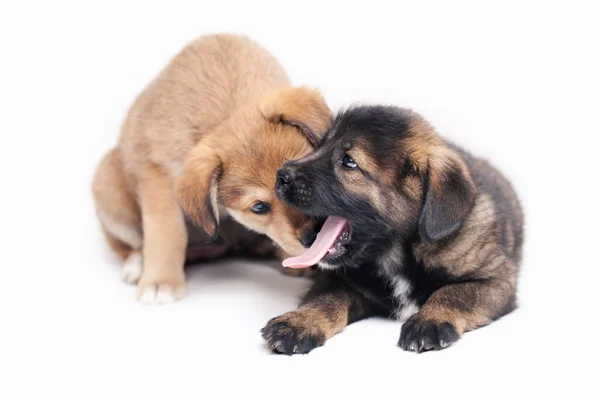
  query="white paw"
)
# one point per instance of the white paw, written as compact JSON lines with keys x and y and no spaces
{"x":132,"y":268}
{"x":160,"y":294}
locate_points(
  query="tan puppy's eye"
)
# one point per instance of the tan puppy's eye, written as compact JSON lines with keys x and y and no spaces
{"x":348,"y":163}
{"x":260,"y":208}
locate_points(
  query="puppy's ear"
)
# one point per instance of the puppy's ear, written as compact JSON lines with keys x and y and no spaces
{"x":197,"y":186}
{"x":449,"y":196}
{"x":300,"y":107}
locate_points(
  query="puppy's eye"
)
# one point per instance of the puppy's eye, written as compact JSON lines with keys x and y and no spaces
{"x":260,"y":208}
{"x":348,"y":162}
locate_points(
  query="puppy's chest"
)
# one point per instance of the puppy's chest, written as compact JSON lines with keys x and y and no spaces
{"x":408,"y":283}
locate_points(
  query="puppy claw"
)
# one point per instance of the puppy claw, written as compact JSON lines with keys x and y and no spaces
{"x":160,"y":293}
{"x":292,"y":333}
{"x":419,"y":335}
{"x":132,"y":268}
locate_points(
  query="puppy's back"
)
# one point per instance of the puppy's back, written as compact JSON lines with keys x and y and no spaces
{"x":505,"y":202}
{"x":198,"y":89}
{"x":214,"y":75}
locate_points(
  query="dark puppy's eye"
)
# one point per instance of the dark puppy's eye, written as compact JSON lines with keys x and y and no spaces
{"x":260,"y":208}
{"x":348,"y":162}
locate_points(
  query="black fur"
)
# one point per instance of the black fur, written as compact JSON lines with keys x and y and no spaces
{"x":446,"y":207}
{"x":418,"y":335}
{"x":287,"y":339}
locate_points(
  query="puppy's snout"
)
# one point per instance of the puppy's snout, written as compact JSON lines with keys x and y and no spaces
{"x":291,"y":185}
{"x":285,"y":177}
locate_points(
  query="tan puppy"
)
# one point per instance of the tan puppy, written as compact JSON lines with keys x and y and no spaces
{"x":205,"y":139}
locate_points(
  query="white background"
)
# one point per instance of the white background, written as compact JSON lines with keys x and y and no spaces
{"x":515,"y":82}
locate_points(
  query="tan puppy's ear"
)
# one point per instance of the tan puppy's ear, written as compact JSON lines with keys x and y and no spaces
{"x":450,"y":195}
{"x":197,"y":186}
{"x":300,"y":107}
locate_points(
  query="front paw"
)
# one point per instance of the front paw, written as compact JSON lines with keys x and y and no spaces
{"x":160,"y":291}
{"x":419,"y":334}
{"x":292,"y":333}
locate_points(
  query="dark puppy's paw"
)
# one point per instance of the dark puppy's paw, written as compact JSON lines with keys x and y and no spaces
{"x":420,"y":335}
{"x":292,"y":333}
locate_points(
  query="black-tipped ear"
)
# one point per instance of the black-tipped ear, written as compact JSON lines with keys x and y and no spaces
{"x":197,"y":188}
{"x":302,"y":108}
{"x":304,"y":129}
{"x":450,"y":195}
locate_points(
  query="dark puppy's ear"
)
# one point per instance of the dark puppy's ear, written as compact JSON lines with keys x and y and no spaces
{"x":449,"y":196}
{"x":302,"y":108}
{"x":197,"y":186}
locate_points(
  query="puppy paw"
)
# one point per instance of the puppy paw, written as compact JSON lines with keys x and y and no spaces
{"x":132,"y":268}
{"x":292,"y":333}
{"x":154,"y":292}
{"x":419,"y":334}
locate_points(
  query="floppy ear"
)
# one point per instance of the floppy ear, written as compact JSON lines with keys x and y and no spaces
{"x":449,"y":196}
{"x":197,"y":186}
{"x":300,"y":107}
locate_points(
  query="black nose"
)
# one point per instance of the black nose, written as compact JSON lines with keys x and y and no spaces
{"x":285,"y":176}
{"x":308,"y":237}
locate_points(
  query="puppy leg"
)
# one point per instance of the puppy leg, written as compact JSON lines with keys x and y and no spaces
{"x":165,"y":240}
{"x":327,"y":308}
{"x":132,"y":267}
{"x":119,"y":214}
{"x":455,"y":309}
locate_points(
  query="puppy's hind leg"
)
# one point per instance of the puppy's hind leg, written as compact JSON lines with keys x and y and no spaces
{"x":165,"y":240}
{"x":119,"y":213}
{"x":457,"y":308}
{"x":133,"y":264}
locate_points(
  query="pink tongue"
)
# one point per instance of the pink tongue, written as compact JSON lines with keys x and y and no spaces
{"x":332,"y":228}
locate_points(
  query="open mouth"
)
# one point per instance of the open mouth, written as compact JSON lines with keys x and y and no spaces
{"x":330,"y":245}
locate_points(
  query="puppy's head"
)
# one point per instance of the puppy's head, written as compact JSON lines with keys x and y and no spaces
{"x":232,"y":169}
{"x":379,"y":173}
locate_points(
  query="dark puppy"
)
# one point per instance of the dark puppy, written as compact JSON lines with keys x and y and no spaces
{"x":418,"y":229}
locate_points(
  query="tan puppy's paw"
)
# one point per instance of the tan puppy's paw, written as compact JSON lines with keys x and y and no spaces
{"x":133,"y":267}
{"x":160,"y":292}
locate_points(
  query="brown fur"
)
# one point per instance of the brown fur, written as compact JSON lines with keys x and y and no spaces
{"x":203,"y":141}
